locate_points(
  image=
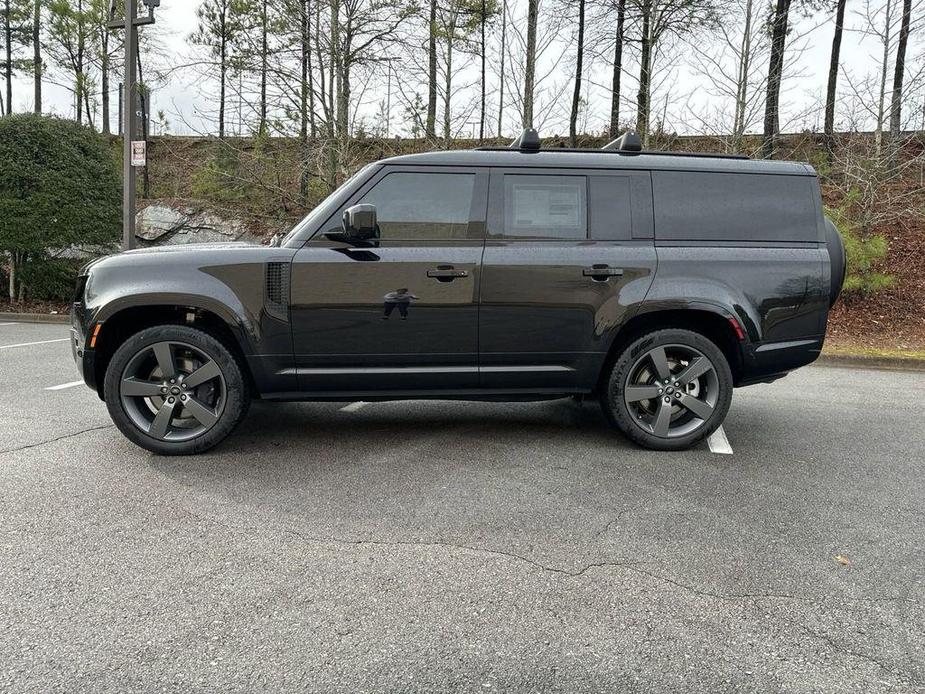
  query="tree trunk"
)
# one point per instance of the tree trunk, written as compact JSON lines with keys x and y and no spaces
{"x":533,"y":10}
{"x":617,"y":70}
{"x":898,"y":77}
{"x":501,"y":78}
{"x":222,"y":78}
{"x":430,"y":128}
{"x":37,"y":55}
{"x":745,"y":59}
{"x":264,"y":49}
{"x":483,"y":21}
{"x":829,"y":126}
{"x":448,"y":94}
{"x":12,"y":277}
{"x":104,"y":77}
{"x":645,"y":74}
{"x":8,"y":67}
{"x":579,"y":69}
{"x":884,"y":70}
{"x":79,"y":77}
{"x":775,"y":76}
{"x":303,"y":97}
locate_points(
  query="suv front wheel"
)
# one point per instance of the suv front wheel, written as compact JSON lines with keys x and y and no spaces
{"x":175,"y":390}
{"x":668,"y":390}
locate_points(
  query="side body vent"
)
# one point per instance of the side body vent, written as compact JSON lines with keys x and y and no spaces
{"x":276,"y":287}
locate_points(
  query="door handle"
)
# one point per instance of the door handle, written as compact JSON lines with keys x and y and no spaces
{"x":446,"y":274}
{"x":602,"y":273}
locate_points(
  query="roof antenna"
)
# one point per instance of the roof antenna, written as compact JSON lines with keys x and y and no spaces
{"x":627,"y":142}
{"x":527,"y":141}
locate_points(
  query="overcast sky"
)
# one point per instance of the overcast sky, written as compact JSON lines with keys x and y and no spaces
{"x":189,"y":105}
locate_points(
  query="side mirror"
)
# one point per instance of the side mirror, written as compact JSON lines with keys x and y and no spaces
{"x":360,"y":223}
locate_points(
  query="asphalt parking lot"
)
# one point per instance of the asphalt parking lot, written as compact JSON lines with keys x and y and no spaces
{"x":440,"y":546}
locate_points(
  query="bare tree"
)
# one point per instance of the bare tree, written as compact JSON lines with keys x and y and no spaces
{"x":780,"y":20}
{"x":533,"y":9}
{"x":898,"y":75}
{"x":831,"y":86}
{"x":617,"y":69}
{"x":579,"y":74}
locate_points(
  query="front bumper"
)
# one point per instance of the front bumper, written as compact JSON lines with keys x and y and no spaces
{"x":84,"y":357}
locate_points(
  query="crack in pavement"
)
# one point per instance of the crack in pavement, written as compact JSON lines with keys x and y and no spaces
{"x":906,"y":676}
{"x":56,"y":439}
{"x":628,"y":564}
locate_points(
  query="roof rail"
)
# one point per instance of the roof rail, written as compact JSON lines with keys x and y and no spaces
{"x":627,"y":142}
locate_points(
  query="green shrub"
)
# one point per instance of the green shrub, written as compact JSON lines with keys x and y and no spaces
{"x":59,"y":189}
{"x":863,"y":251}
{"x":50,"y":279}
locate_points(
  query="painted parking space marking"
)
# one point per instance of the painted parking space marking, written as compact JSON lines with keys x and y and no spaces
{"x":65,"y":386}
{"x":32,"y":344}
{"x":353,"y":407}
{"x":2,"y":324}
{"x":718,"y":442}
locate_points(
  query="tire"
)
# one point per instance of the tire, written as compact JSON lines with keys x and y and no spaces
{"x":175,"y":390}
{"x":635,"y":391}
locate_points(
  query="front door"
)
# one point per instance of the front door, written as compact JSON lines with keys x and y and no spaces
{"x":569,"y":257}
{"x":401,"y":314}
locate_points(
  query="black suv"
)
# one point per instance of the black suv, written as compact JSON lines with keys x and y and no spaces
{"x":655,"y":282}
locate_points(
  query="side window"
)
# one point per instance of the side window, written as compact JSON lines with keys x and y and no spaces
{"x":545,"y":207}
{"x":701,"y":206}
{"x":611,"y":208}
{"x":422,"y":206}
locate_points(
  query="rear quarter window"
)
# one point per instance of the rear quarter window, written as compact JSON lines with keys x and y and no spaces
{"x":696,"y":206}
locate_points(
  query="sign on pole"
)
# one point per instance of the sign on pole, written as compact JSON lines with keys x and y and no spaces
{"x":139,"y":153}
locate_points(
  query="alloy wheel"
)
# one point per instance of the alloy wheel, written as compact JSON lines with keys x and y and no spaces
{"x":672,"y":390}
{"x":173,"y":391}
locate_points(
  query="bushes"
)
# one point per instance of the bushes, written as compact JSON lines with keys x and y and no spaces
{"x":60,"y":189}
{"x":863,"y":250}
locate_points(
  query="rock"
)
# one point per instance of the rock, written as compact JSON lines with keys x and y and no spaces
{"x":155,"y":221}
{"x":164,"y":225}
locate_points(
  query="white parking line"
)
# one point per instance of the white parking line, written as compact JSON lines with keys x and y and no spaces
{"x":65,"y":386}
{"x":718,"y":442}
{"x":30,"y":344}
{"x":353,"y":407}
{"x":2,"y":324}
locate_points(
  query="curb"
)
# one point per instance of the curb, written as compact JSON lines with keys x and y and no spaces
{"x":34,"y":318}
{"x":858,"y":361}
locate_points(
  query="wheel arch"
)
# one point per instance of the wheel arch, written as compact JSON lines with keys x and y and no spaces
{"x":120,"y":324}
{"x":713,"y":322}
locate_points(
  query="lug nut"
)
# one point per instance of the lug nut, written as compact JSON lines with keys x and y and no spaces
{"x":163,"y":389}
{"x":183,"y":398}
{"x":184,"y":386}
{"x":667,"y":399}
{"x":171,"y":400}
{"x":659,"y":391}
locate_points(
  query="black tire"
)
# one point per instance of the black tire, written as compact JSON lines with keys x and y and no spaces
{"x":639,"y":371}
{"x":184,"y":415}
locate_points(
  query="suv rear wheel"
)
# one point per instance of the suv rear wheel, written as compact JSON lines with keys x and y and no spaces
{"x":175,"y":390}
{"x":668,"y":390}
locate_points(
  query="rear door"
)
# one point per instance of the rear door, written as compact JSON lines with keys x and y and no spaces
{"x":568,"y":258}
{"x":399,"y":314}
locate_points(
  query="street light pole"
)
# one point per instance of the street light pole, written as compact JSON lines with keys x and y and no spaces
{"x":129,"y":117}
{"x":129,"y":127}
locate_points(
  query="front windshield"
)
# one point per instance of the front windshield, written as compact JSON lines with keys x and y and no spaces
{"x":326,"y":207}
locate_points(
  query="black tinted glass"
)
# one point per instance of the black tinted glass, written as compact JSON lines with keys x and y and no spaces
{"x":422,"y":206}
{"x":553,"y":207}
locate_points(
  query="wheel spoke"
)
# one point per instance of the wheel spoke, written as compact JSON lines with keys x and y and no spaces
{"x":202,"y":374}
{"x":162,"y":419}
{"x":164,"y":355}
{"x":135,"y":388}
{"x":697,"y":368}
{"x":203,"y":414}
{"x":662,"y":419}
{"x":660,"y":362}
{"x":637,"y":393}
{"x":698,"y":407}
